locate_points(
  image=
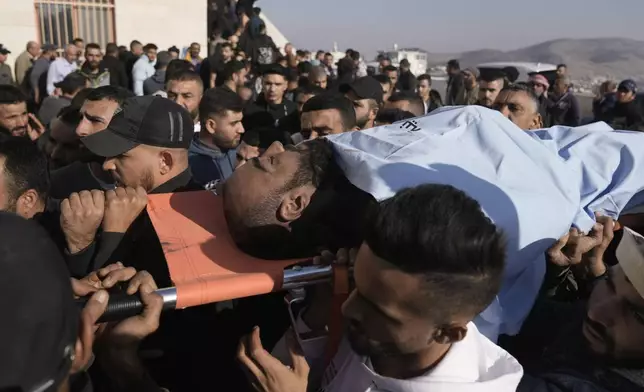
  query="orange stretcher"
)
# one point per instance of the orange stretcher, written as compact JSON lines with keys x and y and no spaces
{"x":205,"y":264}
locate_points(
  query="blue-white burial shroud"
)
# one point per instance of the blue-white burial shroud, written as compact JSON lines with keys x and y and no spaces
{"x":533,"y":185}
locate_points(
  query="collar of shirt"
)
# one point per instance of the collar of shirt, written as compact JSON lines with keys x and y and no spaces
{"x":171,"y":185}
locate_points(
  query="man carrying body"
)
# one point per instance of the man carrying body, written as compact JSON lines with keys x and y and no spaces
{"x":520,"y":105}
{"x":213,"y":152}
{"x":366,"y":94}
{"x":409,"y":318}
{"x":564,"y":106}
{"x":595,"y":345}
{"x":62,"y":67}
{"x":627,"y":112}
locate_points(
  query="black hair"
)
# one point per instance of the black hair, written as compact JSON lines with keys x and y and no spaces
{"x":427,"y":77}
{"x":10,"y":95}
{"x":382,"y":79}
{"x":327,"y":54}
{"x":454,"y":64}
{"x":177,"y":65}
{"x":332,"y":220}
{"x":231,"y":68}
{"x":299,"y":53}
{"x":333,"y":101}
{"x":226,"y":45}
{"x":149,"y":47}
{"x":111,"y":48}
{"x":355,"y":55}
{"x":174,"y":49}
{"x":440,"y":234}
{"x":416,"y":103}
{"x":184,"y":76}
{"x":562,"y":65}
{"x":217,"y":101}
{"x":77,"y":40}
{"x":92,"y":45}
{"x":304,"y":67}
{"x":71,"y":114}
{"x":518,"y":87}
{"x":319,"y":52}
{"x":390,"y":68}
{"x":390,"y":116}
{"x":25,"y":167}
{"x":134,"y":43}
{"x":75,"y":82}
{"x":275,"y":69}
{"x":111,"y":93}
{"x":309,"y":89}
{"x":345,"y":67}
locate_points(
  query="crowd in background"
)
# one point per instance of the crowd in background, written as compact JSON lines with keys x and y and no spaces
{"x":89,"y":132}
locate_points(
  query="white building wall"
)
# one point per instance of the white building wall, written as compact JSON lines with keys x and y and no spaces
{"x":17,"y":26}
{"x":162,"y":22}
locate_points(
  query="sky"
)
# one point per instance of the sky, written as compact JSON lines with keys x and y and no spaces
{"x":450,"y":26}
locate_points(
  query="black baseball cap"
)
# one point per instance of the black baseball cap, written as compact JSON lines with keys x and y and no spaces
{"x":365,"y":88}
{"x":150,"y":120}
{"x":73,"y":82}
{"x":40,"y":321}
{"x":4,"y":50}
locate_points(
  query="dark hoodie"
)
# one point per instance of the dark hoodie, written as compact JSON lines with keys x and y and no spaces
{"x":154,"y":83}
{"x":210,"y":165}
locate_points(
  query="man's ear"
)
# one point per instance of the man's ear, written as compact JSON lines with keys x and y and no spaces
{"x":537,"y":122}
{"x":294,"y":203}
{"x":211,"y":126}
{"x":166,"y":162}
{"x":26,"y":203}
{"x":449,"y":334}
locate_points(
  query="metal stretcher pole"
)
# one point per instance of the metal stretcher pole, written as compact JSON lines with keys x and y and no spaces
{"x":122,"y":306}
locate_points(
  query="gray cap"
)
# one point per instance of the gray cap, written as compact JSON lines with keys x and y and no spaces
{"x":163,"y":59}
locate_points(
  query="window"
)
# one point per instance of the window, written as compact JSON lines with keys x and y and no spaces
{"x":60,"y":21}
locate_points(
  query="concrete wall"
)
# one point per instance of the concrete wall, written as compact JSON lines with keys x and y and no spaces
{"x":162,"y":22}
{"x":17,"y":26}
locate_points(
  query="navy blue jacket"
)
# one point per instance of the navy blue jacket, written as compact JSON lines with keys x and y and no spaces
{"x":210,"y":165}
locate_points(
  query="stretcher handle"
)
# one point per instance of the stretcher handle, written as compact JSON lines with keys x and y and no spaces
{"x":122,"y":306}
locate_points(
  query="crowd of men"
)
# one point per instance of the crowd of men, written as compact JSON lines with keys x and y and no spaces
{"x":87,"y":133}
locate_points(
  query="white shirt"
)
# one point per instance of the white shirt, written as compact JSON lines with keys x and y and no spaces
{"x":58,"y":69}
{"x":473,"y":364}
{"x":142,"y":70}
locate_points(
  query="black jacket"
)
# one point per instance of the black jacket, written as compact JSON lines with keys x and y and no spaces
{"x":406,"y":82}
{"x":626,"y":116}
{"x":139,"y":247}
{"x":118,"y":74}
{"x":262,"y":115}
{"x":565,"y":110}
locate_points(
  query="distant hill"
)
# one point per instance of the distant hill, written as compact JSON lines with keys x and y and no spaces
{"x":617,"y":58}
